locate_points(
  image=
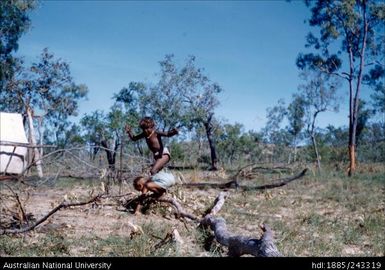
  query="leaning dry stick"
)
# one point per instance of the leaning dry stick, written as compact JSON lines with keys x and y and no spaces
{"x":20,"y":205}
{"x":238,"y":244}
{"x":57,"y":208}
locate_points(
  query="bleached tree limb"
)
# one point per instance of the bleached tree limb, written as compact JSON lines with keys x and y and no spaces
{"x":180,"y":211}
{"x":239,"y":245}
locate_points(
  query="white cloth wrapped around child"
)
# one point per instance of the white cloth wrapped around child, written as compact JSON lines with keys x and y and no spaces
{"x":164,"y":179}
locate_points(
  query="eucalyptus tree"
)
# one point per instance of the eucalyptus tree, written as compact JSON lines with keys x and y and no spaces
{"x":319,"y":93}
{"x":94,"y":129}
{"x":127,"y":99}
{"x":275,"y":117}
{"x":237,"y":146}
{"x":200,"y":97}
{"x":46,"y":90}
{"x":363,"y":119}
{"x":295,"y":115}
{"x":105,"y":131}
{"x":229,"y":141}
{"x":379,"y":99}
{"x":274,"y":135}
{"x":183,"y":97}
{"x":14,"y":21}
{"x":357,"y":26}
{"x":162,"y":100}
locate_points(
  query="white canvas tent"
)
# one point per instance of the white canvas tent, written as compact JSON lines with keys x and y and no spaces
{"x":12,"y":160}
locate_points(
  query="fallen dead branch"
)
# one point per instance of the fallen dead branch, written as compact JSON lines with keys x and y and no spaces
{"x":239,"y":245}
{"x":277,"y":183}
{"x":21,"y":213}
{"x":64,"y":204}
{"x":145,"y":200}
{"x":249,"y":171}
{"x":234,"y":183}
{"x":8,"y":177}
{"x":180,"y":211}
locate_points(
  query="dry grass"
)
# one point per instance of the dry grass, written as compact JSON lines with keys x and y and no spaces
{"x":328,"y":215}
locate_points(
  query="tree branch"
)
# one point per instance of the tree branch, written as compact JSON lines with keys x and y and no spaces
{"x":239,"y":245}
{"x":64,"y":204}
{"x":234,"y":183}
{"x":180,"y":211}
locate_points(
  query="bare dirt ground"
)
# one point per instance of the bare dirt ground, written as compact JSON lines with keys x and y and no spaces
{"x":309,"y":217}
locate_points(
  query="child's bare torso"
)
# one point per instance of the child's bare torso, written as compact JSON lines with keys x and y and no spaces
{"x":155,"y":144}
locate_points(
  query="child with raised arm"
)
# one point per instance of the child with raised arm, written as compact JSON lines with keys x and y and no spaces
{"x":154,"y":142}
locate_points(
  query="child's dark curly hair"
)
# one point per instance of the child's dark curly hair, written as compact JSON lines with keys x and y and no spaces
{"x":146,"y":122}
{"x":137,"y":180}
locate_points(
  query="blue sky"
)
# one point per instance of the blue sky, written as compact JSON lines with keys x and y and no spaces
{"x":248,"y":47}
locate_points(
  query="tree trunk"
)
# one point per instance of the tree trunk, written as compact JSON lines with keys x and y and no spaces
{"x":294,"y":149}
{"x":213,"y":153}
{"x":111,"y":154}
{"x":41,"y":133}
{"x":318,"y":158}
{"x":33,"y":142}
{"x":120,"y":166}
{"x":352,"y":158}
{"x":353,"y":117}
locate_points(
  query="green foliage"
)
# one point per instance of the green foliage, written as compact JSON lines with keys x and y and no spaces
{"x":275,"y":116}
{"x":357,"y":27}
{"x":129,"y":98}
{"x":363,"y":117}
{"x":14,"y":22}
{"x":95,"y":126}
{"x":236,"y":147}
{"x":378,"y":98}
{"x":48,"y":89}
{"x":296,"y":113}
{"x":183,"y":98}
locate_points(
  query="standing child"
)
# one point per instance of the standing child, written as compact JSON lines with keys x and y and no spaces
{"x":154,"y":142}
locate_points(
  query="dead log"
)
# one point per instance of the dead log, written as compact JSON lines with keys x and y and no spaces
{"x":251,"y":169}
{"x":239,"y":245}
{"x":234,"y":183}
{"x":277,"y":183}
